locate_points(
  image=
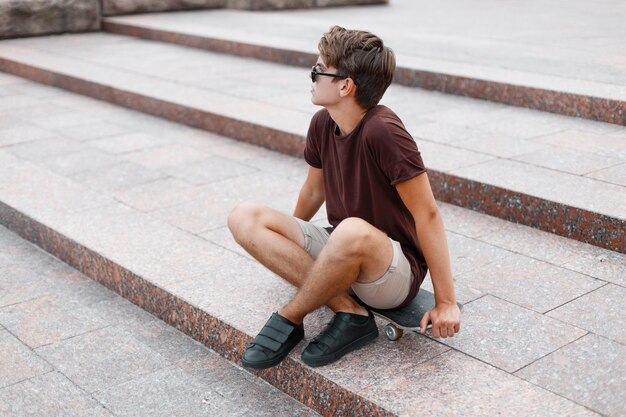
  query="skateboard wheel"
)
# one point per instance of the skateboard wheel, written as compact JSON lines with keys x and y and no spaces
{"x":392,"y":332}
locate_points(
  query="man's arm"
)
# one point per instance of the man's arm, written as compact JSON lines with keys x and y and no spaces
{"x":311,"y":195}
{"x":418,"y":198}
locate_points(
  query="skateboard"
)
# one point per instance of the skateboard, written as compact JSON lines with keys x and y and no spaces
{"x":407,"y":317}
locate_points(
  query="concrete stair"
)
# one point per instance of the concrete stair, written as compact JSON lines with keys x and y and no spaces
{"x":139,"y":204}
{"x":491,"y":158}
{"x":480,"y":68}
{"x":133,"y":190}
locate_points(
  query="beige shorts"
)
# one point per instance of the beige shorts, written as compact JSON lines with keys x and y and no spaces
{"x":388,"y":291}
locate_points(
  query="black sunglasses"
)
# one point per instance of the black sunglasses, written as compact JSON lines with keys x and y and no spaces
{"x":315,"y":73}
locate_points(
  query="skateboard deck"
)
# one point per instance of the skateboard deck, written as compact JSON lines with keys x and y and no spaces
{"x":407,"y":317}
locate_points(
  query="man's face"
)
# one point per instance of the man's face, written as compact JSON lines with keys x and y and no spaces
{"x":325,"y":90}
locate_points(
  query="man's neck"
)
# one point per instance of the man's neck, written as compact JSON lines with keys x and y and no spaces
{"x":346,"y":116}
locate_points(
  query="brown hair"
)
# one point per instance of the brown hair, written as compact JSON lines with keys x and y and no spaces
{"x":361,"y":56}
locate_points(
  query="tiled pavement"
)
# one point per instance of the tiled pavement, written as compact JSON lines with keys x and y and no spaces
{"x":71,"y":347}
{"x":155,"y":205}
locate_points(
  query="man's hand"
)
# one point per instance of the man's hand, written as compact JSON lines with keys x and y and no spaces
{"x":446,"y":320}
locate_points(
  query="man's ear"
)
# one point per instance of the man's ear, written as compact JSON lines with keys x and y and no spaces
{"x":348,"y":87}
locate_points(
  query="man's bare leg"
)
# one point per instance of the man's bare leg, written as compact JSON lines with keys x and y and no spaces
{"x":276,"y":241}
{"x":356,"y":251}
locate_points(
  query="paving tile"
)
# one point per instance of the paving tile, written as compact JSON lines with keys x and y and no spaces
{"x":469,"y":223}
{"x":448,"y":133}
{"x":607,"y":145}
{"x":16,"y":101}
{"x":20,"y":283}
{"x":102,"y":359}
{"x":283,"y":165}
{"x":211,"y":169}
{"x":49,"y":319}
{"x":501,"y":145}
{"x":212,"y":211}
{"x":46,"y":148}
{"x":600,"y":263}
{"x":166,"y":392}
{"x":600,"y":312}
{"x":536,"y":244}
{"x":128,"y":142}
{"x":143,"y":245}
{"x":95,"y":129}
{"x":529,"y":283}
{"x":20,"y":182}
{"x":591,"y":371}
{"x":447,"y":158}
{"x":223,"y":237}
{"x":166,"y":156}
{"x":238,"y":151}
{"x":524,"y":124}
{"x":35,"y":90}
{"x":117,"y":178}
{"x":64,"y":120}
{"x":568,"y":160}
{"x":51,"y":394}
{"x":614,"y":175}
{"x":18,"y":362}
{"x":508,"y":336}
{"x":76,"y":162}
{"x":23,"y":133}
{"x":159,"y":194}
{"x":454,"y":384}
{"x":467,"y":254}
{"x":7,"y":122}
{"x":258,"y":291}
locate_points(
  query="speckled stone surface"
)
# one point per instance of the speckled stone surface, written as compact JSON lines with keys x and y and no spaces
{"x":600,"y":312}
{"x":456,"y":385}
{"x":585,"y":371}
{"x":18,"y":362}
{"x":424,"y":72}
{"x":592,"y":219}
{"x":221,"y":297}
{"x":508,"y":336}
{"x":118,"y":366}
{"x":529,"y":283}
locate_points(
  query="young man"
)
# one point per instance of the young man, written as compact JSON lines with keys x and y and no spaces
{"x":386,"y":227}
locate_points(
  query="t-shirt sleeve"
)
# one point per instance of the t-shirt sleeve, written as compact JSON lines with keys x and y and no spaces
{"x":312,"y":149}
{"x":395,"y":153}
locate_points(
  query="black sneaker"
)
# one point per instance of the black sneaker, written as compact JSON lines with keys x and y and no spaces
{"x":347,"y":332}
{"x":273,"y":343}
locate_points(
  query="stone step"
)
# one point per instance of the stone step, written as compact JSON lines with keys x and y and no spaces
{"x":495,"y":61}
{"x":139,"y":204}
{"x":555,"y":173}
{"x":72,"y":347}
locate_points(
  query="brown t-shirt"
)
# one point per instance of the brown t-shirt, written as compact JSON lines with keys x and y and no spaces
{"x":360,"y":172}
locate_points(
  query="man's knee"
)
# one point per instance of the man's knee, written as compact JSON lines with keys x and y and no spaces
{"x":354,"y":236}
{"x":243,"y":216}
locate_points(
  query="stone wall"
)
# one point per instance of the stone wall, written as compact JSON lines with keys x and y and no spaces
{"x":39,"y":17}
{"x":120,"y":7}
{"x":294,"y":4}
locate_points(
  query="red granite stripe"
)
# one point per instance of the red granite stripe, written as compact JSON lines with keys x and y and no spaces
{"x":574,"y":223}
{"x":293,"y":378}
{"x":568,"y":104}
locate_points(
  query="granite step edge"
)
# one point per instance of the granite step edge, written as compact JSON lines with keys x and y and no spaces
{"x":558,"y":218}
{"x":328,"y":398}
{"x":605,"y":109}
